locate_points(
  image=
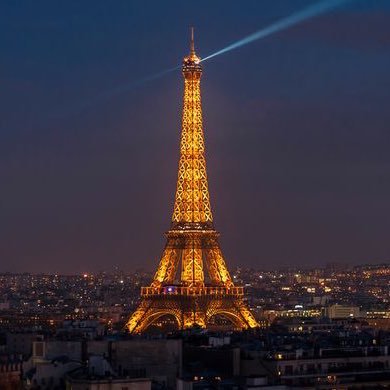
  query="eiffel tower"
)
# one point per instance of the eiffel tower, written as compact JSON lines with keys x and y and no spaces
{"x":180,"y":287}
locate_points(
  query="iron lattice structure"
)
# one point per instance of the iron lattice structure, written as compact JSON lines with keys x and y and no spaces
{"x":190,"y":295}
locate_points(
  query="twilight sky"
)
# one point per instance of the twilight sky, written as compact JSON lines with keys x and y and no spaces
{"x":297,"y":130}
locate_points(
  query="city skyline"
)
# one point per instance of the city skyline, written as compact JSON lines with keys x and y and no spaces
{"x":322,"y":314}
{"x":295,"y":131}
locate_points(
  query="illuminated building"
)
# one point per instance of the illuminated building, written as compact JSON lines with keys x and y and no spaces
{"x":181,"y":288}
{"x":342,"y":311}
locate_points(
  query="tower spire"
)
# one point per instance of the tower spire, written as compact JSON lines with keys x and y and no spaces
{"x":192,"y":44}
{"x":192,"y":201}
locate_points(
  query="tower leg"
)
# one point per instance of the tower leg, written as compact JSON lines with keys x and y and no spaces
{"x":246,"y":314}
{"x":150,"y":310}
{"x":138,"y":317}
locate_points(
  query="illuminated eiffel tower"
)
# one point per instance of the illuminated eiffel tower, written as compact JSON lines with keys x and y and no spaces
{"x":180,"y":287}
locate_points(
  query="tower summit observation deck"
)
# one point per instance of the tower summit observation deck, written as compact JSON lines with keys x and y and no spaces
{"x":180,"y":287}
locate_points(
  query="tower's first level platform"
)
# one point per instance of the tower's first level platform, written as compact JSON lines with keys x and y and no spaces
{"x":192,"y":291}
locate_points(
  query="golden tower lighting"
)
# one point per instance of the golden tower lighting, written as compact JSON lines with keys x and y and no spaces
{"x":180,"y":287}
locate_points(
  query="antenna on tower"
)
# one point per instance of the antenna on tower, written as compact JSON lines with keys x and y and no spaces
{"x":192,"y":45}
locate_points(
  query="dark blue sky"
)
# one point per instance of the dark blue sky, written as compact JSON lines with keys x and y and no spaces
{"x":297,"y":131}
